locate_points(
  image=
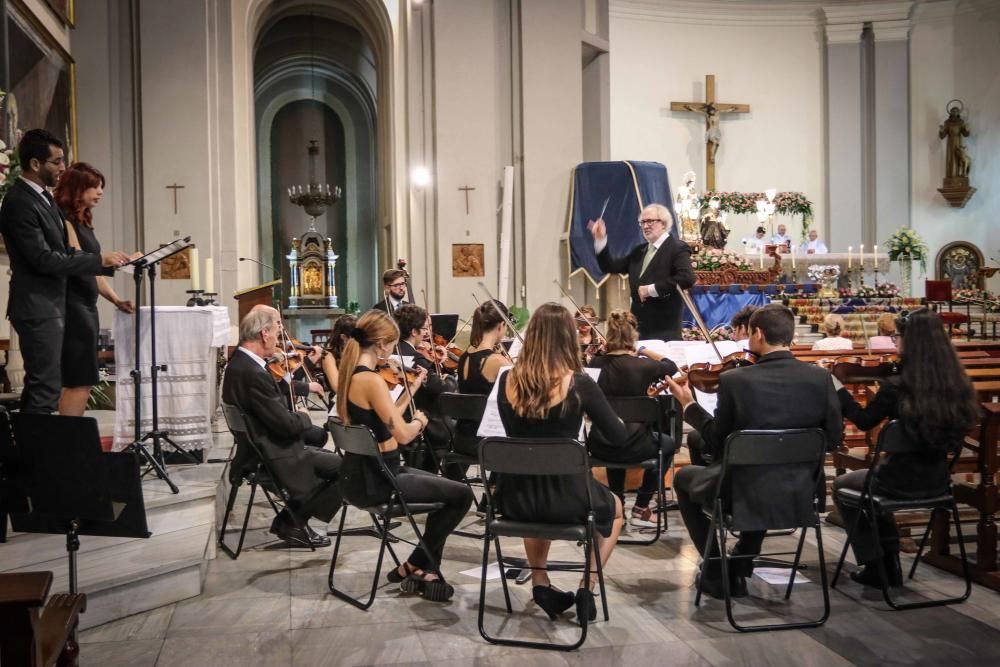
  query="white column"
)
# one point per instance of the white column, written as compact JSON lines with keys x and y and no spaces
{"x":892,"y":127}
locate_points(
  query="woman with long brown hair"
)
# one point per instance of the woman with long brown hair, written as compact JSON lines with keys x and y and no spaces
{"x":79,"y":190}
{"x":339,"y":335}
{"x":363,"y":398}
{"x":546,"y":395}
{"x":936,"y":403}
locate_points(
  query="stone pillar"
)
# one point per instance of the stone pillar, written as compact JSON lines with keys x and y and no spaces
{"x":892,"y":126}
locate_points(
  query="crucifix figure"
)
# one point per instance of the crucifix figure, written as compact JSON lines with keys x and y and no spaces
{"x":466,"y":189}
{"x":175,"y":188}
{"x":713,"y":133}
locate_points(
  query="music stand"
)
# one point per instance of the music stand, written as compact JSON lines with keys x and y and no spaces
{"x":69,"y":485}
{"x":154,"y":459}
{"x":444,"y":325}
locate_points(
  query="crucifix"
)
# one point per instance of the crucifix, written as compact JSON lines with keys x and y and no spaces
{"x":466,"y":189}
{"x":175,"y":188}
{"x":713,"y":134}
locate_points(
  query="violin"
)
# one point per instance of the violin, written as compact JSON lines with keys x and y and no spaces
{"x":854,"y":369}
{"x":453,"y":352}
{"x":394,"y":374}
{"x":281,"y":362}
{"x":705,"y":376}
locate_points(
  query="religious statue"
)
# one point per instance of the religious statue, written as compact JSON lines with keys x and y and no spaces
{"x":713,"y":133}
{"x":714,"y":230}
{"x":688,"y":206}
{"x":957,"y":162}
{"x":961,"y":266}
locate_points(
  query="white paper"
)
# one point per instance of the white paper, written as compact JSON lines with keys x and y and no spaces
{"x":492,"y":572}
{"x":491,"y":424}
{"x":515,"y":348}
{"x":594,"y":373}
{"x":158,"y":254}
{"x":778,"y":576}
{"x":396,"y":391}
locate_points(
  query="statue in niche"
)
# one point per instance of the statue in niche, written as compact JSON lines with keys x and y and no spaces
{"x":714,"y":231}
{"x":960,"y":262}
{"x":312,"y":280}
{"x":957,"y":161}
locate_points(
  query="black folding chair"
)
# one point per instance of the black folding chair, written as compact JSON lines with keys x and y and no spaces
{"x":893,"y":440}
{"x":360,"y":441}
{"x":648,"y":411}
{"x":534,"y":457}
{"x":258,"y":474}
{"x":785,"y":468}
{"x":456,"y":407}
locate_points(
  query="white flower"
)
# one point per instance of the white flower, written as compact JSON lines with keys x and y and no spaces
{"x":4,"y":158}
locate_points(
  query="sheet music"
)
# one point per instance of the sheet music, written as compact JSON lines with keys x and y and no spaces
{"x":492,"y":424}
{"x":515,"y":348}
{"x":699,"y":352}
{"x":158,"y":254}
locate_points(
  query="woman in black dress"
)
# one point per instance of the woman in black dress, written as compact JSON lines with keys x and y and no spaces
{"x":79,"y":190}
{"x":936,"y":403}
{"x":478,"y":366}
{"x":363,"y":398}
{"x":546,"y":395}
{"x":625,"y":373}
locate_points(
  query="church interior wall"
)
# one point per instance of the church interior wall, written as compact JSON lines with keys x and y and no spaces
{"x":778,"y":69}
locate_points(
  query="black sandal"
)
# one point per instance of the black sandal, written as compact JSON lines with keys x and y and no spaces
{"x":435,"y":590}
{"x":394,"y":577}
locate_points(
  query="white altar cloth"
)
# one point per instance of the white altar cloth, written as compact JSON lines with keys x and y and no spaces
{"x":186,"y":342}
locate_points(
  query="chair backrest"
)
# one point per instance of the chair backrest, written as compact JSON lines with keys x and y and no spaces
{"x":462,"y":406}
{"x":234,"y":418}
{"x":534,"y":456}
{"x":354,"y":438}
{"x":938,"y":290}
{"x":771,"y":478}
{"x":893,"y":439}
{"x":637,"y":410}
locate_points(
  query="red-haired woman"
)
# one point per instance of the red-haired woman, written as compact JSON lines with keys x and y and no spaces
{"x":79,"y":190}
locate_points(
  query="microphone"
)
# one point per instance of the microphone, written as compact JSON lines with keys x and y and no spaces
{"x":266,"y":266}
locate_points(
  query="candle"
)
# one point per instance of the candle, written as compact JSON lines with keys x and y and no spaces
{"x":193,"y":264}
{"x":209,"y":276}
{"x":875,"y":257}
{"x":793,"y":258}
{"x":861,"y":256}
{"x":762,"y":257}
{"x":850,"y":263}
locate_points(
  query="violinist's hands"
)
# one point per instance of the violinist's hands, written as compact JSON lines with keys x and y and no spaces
{"x":597,"y":229}
{"x":419,"y":416}
{"x":315,"y":354}
{"x":681,"y":391}
{"x":440,"y":353}
{"x":419,"y":380}
{"x":315,"y":388}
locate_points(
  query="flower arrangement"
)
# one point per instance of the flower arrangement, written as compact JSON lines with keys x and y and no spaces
{"x":907,"y":244}
{"x":713,"y":260}
{"x":721,"y":332}
{"x":10,"y":166}
{"x":985,"y":298}
{"x":883,"y":291}
{"x":819,"y":272}
{"x":785,"y":203}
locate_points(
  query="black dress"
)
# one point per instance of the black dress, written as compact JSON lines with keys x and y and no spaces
{"x":79,"y":350}
{"x":471,"y":381}
{"x":559,"y":498}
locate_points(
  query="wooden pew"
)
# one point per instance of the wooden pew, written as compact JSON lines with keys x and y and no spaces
{"x":35,"y":632}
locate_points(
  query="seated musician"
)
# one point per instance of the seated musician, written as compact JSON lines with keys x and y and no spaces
{"x":415,"y":329}
{"x":339,"y":336}
{"x":625,"y":373}
{"x":308,"y":472}
{"x":885,"y":340}
{"x":777,"y":392}
{"x":546,"y":395}
{"x":303,"y":384}
{"x":588,"y":341}
{"x":833,"y":326}
{"x":740,"y":325}
{"x":934,"y":399}
{"x":364,"y":399}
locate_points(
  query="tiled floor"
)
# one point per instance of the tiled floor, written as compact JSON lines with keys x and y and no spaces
{"x":272,"y":607}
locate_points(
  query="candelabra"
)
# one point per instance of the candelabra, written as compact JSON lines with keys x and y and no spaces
{"x":314,"y":198}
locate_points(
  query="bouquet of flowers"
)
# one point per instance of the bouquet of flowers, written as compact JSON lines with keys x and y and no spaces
{"x":907,"y":244}
{"x":721,"y":332}
{"x":819,"y":272}
{"x":714,"y":260}
{"x":985,"y":298}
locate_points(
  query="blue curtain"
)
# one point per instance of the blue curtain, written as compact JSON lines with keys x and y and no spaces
{"x":718,"y":308}
{"x":627,"y":187}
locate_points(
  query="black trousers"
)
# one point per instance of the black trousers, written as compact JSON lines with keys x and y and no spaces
{"x":41,"y":348}
{"x":694,"y":487}
{"x":327,"y":499}
{"x":643,"y":451}
{"x":863,"y":542}
{"x":315,"y":436}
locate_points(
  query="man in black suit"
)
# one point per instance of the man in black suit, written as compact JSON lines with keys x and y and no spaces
{"x":777,"y":392}
{"x":393,"y":284}
{"x":309,"y":473}
{"x":40,"y":259}
{"x":657,"y":270}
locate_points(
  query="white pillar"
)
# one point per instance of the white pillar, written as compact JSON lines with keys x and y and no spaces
{"x":892,"y":127}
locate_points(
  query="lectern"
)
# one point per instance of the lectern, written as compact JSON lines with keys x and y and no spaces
{"x":254,"y":296}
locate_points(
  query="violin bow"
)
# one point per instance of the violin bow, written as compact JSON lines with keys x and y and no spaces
{"x":288,"y":370}
{"x":406,"y":385}
{"x":689,"y":302}
{"x":577,"y":306}
{"x":423,"y":296}
{"x":500,"y":312}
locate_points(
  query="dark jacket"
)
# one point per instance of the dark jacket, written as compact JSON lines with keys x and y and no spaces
{"x":669,"y":270}
{"x":40,"y":257}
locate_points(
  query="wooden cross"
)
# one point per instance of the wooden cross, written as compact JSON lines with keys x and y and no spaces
{"x":713,"y":136}
{"x":175,"y":188}
{"x":466,"y":189}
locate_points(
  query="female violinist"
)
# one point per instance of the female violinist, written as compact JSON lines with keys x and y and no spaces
{"x":364,"y":399}
{"x":936,"y":403}
{"x":339,"y":336}
{"x":589,"y":341}
{"x":625,"y":373}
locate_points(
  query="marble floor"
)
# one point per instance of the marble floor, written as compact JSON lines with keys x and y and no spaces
{"x":272,"y":607}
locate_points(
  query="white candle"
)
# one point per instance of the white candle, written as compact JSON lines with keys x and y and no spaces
{"x":850,"y":262}
{"x":875,"y":257}
{"x":762,"y":257}
{"x":193,"y":264}
{"x":793,"y":258}
{"x":861,"y":256}
{"x":209,"y":276}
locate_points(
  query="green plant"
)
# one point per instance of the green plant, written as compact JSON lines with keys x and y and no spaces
{"x":519,"y":315}
{"x":100,"y":397}
{"x":353,"y":307}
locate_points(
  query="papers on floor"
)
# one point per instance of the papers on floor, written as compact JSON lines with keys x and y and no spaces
{"x":492,"y":572}
{"x":778,"y":576}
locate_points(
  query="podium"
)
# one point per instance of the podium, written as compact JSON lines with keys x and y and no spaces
{"x":255,"y":296}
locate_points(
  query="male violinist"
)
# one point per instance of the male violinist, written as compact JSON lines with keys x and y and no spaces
{"x":309,"y":473}
{"x":778,"y":392}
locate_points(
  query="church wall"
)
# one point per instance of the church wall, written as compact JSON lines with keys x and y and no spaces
{"x":777,"y":68}
{"x":954,"y":51}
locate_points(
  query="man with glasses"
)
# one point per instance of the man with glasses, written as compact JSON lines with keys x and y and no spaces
{"x":393,"y":284}
{"x":657,"y":270}
{"x":40,"y":260}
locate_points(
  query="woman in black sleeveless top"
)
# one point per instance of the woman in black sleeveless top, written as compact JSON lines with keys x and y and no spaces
{"x":478,"y":366}
{"x":625,"y":373}
{"x":546,"y":395}
{"x":363,"y":398}
{"x":79,"y":190}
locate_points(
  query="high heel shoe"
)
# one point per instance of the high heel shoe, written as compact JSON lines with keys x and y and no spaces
{"x":553,"y":602}
{"x":585,"y":606}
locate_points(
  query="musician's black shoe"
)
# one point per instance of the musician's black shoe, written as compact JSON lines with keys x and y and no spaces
{"x":868,"y":574}
{"x":287,"y":531}
{"x":713,"y":587}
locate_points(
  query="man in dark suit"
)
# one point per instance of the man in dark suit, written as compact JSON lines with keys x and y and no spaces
{"x":657,"y":270}
{"x":40,"y":259}
{"x":309,"y":473}
{"x":393,"y":284}
{"x":777,"y":392}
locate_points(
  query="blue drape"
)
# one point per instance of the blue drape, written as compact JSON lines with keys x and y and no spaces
{"x":718,"y":308}
{"x":627,"y":187}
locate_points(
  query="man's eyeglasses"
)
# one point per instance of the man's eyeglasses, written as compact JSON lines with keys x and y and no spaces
{"x":644,"y":223}
{"x":398,"y":285}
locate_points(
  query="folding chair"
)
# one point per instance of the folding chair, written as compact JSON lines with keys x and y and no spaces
{"x":360,"y":441}
{"x":260,"y":475}
{"x":893,"y":440}
{"x":752,"y":462}
{"x":648,"y":411}
{"x":466,"y":407}
{"x":534,"y":457}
